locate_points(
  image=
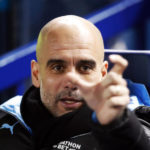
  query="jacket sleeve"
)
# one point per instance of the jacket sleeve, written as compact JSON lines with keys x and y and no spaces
{"x":126,"y":133}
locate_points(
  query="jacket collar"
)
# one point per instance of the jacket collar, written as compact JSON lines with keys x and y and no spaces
{"x":47,"y":129}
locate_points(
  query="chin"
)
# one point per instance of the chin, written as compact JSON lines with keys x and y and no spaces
{"x":59,"y":114}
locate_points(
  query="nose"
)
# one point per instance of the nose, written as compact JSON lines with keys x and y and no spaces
{"x":71,"y":86}
{"x":70,"y":80}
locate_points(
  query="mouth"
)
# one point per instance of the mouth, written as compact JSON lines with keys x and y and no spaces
{"x":71,"y":103}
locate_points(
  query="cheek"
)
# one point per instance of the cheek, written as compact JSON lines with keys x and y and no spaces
{"x":95,"y":76}
{"x":48,"y":91}
{"x":51,"y":84}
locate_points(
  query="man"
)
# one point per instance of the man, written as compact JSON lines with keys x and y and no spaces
{"x":73,"y":103}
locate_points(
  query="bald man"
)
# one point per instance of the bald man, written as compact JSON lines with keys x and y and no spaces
{"x":74,"y":104}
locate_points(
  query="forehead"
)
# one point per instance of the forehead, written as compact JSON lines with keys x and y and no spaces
{"x":71,"y":52}
{"x":66,"y":35}
{"x":75,"y":54}
{"x":71,"y":41}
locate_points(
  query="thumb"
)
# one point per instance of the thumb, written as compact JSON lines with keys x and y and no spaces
{"x":120,"y":64}
{"x":84,"y":86}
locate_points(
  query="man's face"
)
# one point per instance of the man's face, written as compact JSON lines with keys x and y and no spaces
{"x":65,"y":61}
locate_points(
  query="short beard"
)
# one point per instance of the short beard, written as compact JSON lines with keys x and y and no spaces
{"x":50,"y":101}
{"x":70,"y":94}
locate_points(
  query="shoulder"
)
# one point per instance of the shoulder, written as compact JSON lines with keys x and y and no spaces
{"x":143,"y":114}
{"x":12,"y":130}
{"x":10,"y":110}
{"x":11,"y":106}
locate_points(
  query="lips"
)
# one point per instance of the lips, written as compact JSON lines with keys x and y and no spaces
{"x":70,"y":103}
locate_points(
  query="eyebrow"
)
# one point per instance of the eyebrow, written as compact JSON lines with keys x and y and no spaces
{"x":88,"y":62}
{"x":60,"y":61}
{"x":52,"y":61}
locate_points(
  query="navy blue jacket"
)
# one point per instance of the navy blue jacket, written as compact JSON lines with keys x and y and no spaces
{"x":25,"y":124}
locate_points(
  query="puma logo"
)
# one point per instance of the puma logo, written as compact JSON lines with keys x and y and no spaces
{"x":7,"y":126}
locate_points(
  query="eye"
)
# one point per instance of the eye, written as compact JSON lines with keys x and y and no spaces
{"x":58,"y":68}
{"x":85,"y":69}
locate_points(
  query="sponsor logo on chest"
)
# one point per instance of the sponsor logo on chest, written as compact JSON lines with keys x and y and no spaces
{"x":67,"y":145}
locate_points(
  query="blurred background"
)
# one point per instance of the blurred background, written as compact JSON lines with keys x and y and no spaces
{"x":125,"y":24}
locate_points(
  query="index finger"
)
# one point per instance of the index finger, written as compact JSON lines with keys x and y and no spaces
{"x":120,"y":64}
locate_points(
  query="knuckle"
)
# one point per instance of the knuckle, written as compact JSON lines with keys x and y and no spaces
{"x":112,"y":75}
{"x":125,"y":63}
{"x":124,"y":82}
{"x":126,"y":101}
{"x":111,"y":89}
{"x":113,"y":101}
{"x":123,"y":102}
{"x":128,"y":91}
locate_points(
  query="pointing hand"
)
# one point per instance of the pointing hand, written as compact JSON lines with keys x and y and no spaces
{"x":109,"y":97}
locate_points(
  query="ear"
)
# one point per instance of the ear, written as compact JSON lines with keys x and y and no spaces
{"x":104,"y":69}
{"x":35,"y":73}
